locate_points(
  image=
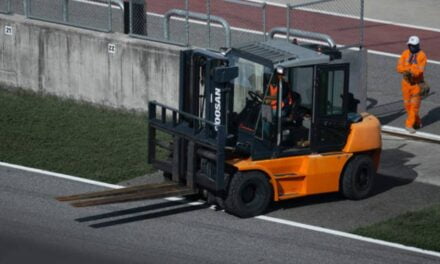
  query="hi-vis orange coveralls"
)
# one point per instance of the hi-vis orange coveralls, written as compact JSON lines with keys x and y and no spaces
{"x":415,"y":65}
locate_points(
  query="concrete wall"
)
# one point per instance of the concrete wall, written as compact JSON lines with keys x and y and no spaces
{"x":76,"y":63}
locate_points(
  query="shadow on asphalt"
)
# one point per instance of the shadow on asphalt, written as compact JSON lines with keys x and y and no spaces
{"x":431,"y":117}
{"x":393,"y":110}
{"x":137,"y":210}
{"x":386,"y":112}
{"x":393,"y":173}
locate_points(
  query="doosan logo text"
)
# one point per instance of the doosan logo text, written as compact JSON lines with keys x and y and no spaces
{"x":217,"y":108}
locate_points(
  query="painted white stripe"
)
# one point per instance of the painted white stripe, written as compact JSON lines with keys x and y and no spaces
{"x":418,"y":134}
{"x":356,"y":17}
{"x":59,"y":175}
{"x":113,"y":5}
{"x":386,"y":54}
{"x":348,"y":235}
{"x":261,"y":217}
{"x":282,"y":5}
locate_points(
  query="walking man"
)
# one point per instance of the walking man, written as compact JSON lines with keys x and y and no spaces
{"x":411,"y":65}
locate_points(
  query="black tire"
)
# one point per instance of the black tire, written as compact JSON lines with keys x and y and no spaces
{"x":358,"y":177}
{"x":249,"y":194}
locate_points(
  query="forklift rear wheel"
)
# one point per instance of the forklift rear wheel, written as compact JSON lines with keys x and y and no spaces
{"x":249,"y":194}
{"x":358,"y":177}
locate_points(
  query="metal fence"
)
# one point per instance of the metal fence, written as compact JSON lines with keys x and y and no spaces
{"x":204,"y":23}
{"x":340,"y":19}
{"x":222,"y":23}
{"x":5,"y":6}
{"x":96,"y":15}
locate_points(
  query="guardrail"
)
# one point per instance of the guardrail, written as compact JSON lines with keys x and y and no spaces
{"x":199,"y":16}
{"x":302,"y":34}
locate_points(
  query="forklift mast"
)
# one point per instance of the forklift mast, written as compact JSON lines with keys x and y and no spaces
{"x":198,"y":129}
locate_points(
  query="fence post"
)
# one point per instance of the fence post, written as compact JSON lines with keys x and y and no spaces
{"x":264,"y":21}
{"x":130,"y":17}
{"x":362,"y":25}
{"x":187,"y":22}
{"x":27,"y":8}
{"x":208,"y":7}
{"x":288,"y":21}
{"x":110,"y":17}
{"x":66,"y":10}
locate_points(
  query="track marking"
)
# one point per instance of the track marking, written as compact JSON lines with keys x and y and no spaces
{"x":417,"y":135}
{"x":348,"y":235}
{"x":114,"y":6}
{"x":261,"y":217}
{"x":387,"y":54}
{"x":213,"y":24}
{"x":351,"y":16}
{"x":60,"y":175}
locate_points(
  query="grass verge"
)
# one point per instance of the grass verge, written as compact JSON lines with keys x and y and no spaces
{"x":418,"y":229}
{"x":65,"y":136}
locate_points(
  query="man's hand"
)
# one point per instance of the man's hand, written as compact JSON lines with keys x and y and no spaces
{"x":407,"y":76}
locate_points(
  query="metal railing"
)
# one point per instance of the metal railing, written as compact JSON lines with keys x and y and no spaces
{"x":199,"y":16}
{"x":203,"y":23}
{"x":289,"y":32}
{"x":5,"y":6}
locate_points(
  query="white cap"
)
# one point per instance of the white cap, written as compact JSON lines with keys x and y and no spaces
{"x":413,"y":40}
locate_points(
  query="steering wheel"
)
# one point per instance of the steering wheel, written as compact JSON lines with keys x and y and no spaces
{"x":255,"y":97}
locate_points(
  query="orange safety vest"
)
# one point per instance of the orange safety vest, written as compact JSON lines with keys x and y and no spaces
{"x":273,"y":90}
{"x":413,"y":63}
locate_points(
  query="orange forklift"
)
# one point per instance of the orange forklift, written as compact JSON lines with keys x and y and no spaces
{"x":236,"y":138}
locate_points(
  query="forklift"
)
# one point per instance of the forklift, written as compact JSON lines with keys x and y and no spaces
{"x":236,"y":139}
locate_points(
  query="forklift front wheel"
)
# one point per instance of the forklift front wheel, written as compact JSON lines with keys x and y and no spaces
{"x":249,"y":194}
{"x":358,"y":177}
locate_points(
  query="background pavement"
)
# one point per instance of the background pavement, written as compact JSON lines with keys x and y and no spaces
{"x":36,"y":228}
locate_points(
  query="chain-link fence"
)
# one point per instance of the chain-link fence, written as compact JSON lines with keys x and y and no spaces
{"x":5,"y":6}
{"x":342,"y":20}
{"x":204,"y":23}
{"x":222,"y":23}
{"x":96,"y":15}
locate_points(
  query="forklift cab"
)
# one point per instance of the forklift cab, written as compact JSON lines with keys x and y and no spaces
{"x":288,"y":100}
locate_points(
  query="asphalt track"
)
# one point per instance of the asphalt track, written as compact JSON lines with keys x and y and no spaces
{"x":34,"y":228}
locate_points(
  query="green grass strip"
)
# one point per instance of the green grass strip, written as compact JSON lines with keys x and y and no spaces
{"x":418,"y":229}
{"x":65,"y":136}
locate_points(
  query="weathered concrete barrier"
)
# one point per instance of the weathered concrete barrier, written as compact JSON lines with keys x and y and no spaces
{"x":102,"y":68}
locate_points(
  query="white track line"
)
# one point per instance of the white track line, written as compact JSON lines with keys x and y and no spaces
{"x":283,"y":5}
{"x":115,"y":6}
{"x":348,"y":235}
{"x":261,"y":217}
{"x":387,"y":54}
{"x":213,"y":24}
{"x":418,"y":134}
{"x":59,"y":175}
{"x":351,"y":16}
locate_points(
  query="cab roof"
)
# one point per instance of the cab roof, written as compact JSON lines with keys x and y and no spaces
{"x":281,"y":53}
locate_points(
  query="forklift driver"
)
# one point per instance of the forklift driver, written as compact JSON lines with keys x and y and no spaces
{"x":272,"y":97}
